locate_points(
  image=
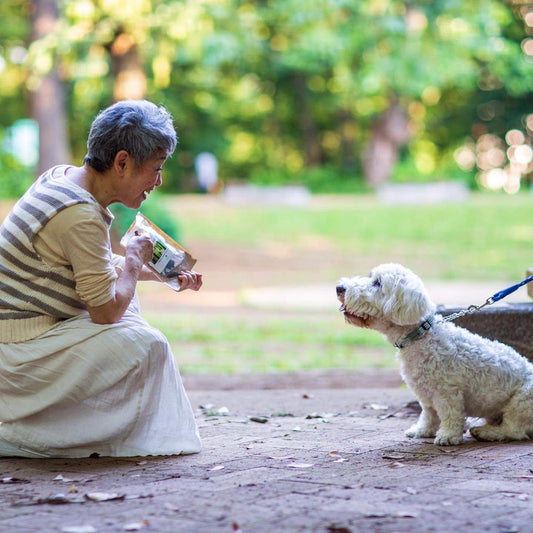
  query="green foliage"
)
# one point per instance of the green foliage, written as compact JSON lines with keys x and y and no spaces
{"x":406,"y":171}
{"x":317,"y":179}
{"x":286,"y":86}
{"x":15,"y":178}
{"x":260,"y":346}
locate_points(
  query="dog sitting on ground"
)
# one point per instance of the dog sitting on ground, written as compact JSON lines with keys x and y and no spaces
{"x":454,"y":373}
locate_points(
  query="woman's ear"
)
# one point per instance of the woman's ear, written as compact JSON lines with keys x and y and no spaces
{"x":121,"y":160}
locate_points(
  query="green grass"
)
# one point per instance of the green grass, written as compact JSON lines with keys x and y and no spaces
{"x":489,"y":237}
{"x":226,"y":344}
{"x":486,"y":237}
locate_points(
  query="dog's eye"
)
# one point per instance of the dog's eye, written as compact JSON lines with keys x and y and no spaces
{"x":376,"y":283}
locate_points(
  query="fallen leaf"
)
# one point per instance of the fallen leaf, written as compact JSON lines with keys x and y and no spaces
{"x":78,"y":529}
{"x":171,"y":507}
{"x":375,"y":515}
{"x":333,"y":528}
{"x":306,"y":396}
{"x":334,"y":454}
{"x":375,"y":406}
{"x":60,"y":477}
{"x":135,"y":526}
{"x":13,"y":480}
{"x":406,"y":514}
{"x":56,"y":499}
{"x":301,"y":465}
{"x":140,"y":496}
{"x":397,"y":464}
{"x":104,"y":496}
{"x":393,"y":456}
{"x":259,"y":419}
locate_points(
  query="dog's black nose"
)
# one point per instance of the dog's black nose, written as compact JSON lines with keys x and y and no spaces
{"x":341,"y":289}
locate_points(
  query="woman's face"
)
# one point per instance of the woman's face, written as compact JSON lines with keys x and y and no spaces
{"x":142,"y":180}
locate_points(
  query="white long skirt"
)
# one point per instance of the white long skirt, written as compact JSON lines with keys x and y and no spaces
{"x":84,"y":388}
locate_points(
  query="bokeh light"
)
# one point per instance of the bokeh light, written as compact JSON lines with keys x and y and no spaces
{"x":503,"y":164}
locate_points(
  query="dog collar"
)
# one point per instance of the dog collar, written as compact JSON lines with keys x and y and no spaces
{"x":417,"y":333}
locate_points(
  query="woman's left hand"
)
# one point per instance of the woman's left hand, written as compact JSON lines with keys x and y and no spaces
{"x":189,"y":279}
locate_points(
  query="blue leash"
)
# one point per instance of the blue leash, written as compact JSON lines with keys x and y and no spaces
{"x":489,"y":301}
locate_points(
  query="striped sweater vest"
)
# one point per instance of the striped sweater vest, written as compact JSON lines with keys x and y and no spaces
{"x":33,"y":295}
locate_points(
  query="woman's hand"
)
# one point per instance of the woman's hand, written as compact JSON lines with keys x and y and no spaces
{"x":138,"y":252}
{"x":140,"y":248}
{"x":189,"y":279}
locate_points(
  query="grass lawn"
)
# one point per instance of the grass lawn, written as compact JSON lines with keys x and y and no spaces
{"x":229,"y":344}
{"x":487,"y":237}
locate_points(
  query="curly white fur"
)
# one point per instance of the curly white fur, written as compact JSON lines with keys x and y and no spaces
{"x":453,"y":372}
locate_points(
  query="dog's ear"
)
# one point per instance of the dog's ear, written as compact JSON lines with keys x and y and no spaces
{"x":408,"y":304}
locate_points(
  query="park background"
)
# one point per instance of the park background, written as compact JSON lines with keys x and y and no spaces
{"x":346,"y":132}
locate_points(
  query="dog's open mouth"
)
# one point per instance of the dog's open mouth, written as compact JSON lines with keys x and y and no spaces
{"x":359,"y":320}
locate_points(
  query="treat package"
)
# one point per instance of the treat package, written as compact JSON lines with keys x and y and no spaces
{"x":169,"y":257}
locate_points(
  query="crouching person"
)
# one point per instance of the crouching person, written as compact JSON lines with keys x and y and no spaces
{"x":81,"y":372}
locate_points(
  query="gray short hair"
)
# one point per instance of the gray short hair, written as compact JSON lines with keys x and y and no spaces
{"x":137,"y":126}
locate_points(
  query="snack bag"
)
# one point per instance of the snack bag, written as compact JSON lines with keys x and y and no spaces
{"x":169,"y":257}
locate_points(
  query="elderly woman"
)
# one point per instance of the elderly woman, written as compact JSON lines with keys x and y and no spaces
{"x":81,"y":373}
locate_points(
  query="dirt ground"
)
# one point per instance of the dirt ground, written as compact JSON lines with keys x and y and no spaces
{"x":310,"y":451}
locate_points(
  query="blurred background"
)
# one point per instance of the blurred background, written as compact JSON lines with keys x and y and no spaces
{"x":317,"y":139}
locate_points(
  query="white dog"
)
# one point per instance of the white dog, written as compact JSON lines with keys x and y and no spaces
{"x":454,"y":373}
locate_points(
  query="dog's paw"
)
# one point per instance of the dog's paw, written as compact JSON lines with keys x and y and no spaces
{"x":444,"y":439}
{"x":414,"y":432}
{"x":495,"y":433}
{"x":479,"y":433}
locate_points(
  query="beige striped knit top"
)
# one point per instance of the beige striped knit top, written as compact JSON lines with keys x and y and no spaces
{"x":33,"y":295}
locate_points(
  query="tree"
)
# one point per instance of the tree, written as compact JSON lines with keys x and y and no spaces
{"x":280,"y":87}
{"x":48,"y":94}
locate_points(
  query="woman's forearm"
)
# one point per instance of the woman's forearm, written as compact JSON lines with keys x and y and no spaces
{"x":113,"y":310}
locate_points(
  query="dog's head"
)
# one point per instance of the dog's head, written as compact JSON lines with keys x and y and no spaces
{"x":391,"y":293}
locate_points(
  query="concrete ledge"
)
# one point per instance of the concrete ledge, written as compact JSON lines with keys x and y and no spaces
{"x":511,"y":324}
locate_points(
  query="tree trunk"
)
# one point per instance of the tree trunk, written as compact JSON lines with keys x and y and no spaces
{"x":48,"y":100}
{"x":348,"y":130}
{"x":128,"y":72}
{"x":311,"y":144}
{"x":389,"y":134}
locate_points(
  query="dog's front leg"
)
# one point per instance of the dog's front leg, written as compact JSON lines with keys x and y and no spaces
{"x":450,"y":409}
{"x":427,"y":424}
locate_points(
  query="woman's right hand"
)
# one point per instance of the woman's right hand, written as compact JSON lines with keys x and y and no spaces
{"x":140,"y":247}
{"x":139,"y":251}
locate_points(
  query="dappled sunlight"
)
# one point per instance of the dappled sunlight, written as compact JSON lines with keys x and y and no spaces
{"x":502,"y":163}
